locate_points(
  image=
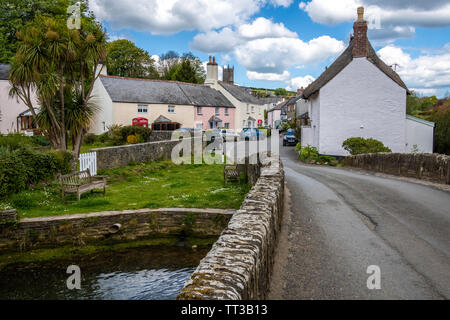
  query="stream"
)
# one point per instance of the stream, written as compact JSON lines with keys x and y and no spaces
{"x":134,"y":274}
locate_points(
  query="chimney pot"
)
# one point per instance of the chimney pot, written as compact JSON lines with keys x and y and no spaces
{"x":360,"y":12}
{"x":360,"y":41}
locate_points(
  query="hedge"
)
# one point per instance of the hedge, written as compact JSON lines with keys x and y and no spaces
{"x":23,"y":166}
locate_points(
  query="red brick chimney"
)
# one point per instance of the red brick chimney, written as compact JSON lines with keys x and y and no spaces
{"x":360,"y":41}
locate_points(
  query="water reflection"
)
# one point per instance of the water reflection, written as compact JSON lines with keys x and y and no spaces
{"x":137,"y":274}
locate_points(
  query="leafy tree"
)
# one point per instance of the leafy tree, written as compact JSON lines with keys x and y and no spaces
{"x":441,"y":116}
{"x":280,"y":92}
{"x":15,"y":14}
{"x":188,"y":68}
{"x":127,"y":60}
{"x":61,"y":66}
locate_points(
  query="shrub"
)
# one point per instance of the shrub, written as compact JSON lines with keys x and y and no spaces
{"x":308,"y":153}
{"x":40,"y":141}
{"x":25,"y":166}
{"x":23,"y":200}
{"x":90,"y":138}
{"x":14,"y":141}
{"x":358,"y":145}
{"x":327,"y":160}
{"x":103,"y":137}
{"x":13,"y":173}
{"x":132,"y":139}
{"x":143,"y":132}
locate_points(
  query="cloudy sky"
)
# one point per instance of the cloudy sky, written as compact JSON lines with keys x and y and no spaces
{"x":288,"y":43}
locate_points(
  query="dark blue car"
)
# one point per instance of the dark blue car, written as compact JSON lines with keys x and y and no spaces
{"x":289,"y":138}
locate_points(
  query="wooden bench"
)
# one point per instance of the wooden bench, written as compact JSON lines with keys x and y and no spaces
{"x":231,"y":172}
{"x":81,"y":182}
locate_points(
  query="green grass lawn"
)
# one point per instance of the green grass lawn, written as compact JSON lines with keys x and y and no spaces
{"x":152,"y":185}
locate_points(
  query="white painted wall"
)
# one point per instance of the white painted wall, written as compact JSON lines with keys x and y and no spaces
{"x":361,"y":101}
{"x":301,"y":107}
{"x":10,"y":108}
{"x":420,"y":133}
{"x":105,"y":115}
{"x":273,"y":116}
{"x":307,"y":136}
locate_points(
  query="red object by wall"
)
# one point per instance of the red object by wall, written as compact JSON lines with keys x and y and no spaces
{"x":141,"y":122}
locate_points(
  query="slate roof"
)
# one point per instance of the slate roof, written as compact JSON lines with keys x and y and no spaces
{"x":4,"y":71}
{"x":161,"y":118}
{"x":240,"y":93}
{"x":162,"y":92}
{"x":204,"y":96}
{"x":342,"y":61}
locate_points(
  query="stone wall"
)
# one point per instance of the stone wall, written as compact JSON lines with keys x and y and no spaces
{"x":431,"y":167}
{"x":122,"y":156}
{"x":239,"y":264}
{"x":8,"y":216}
{"x":160,"y":136}
{"x":116,"y":226}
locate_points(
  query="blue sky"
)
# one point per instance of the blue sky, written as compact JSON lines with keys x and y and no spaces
{"x":287,"y":43}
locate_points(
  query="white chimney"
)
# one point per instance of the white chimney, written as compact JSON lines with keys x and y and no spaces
{"x":212,"y":71}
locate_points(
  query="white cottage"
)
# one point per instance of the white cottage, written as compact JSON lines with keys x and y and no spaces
{"x":360,"y":96}
{"x":14,"y":114}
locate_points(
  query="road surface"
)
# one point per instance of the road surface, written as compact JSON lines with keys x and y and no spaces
{"x":339,"y":222}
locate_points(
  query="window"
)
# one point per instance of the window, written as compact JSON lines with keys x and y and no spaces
{"x":199,"y":126}
{"x":217,"y":111}
{"x":243,"y":123}
{"x":199,"y":110}
{"x":171,"y":109}
{"x":226,"y":111}
{"x":227,"y":125}
{"x":247,"y":108}
{"x":142,"y":109}
{"x":253,"y":109}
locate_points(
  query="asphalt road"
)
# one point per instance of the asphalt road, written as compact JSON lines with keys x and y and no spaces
{"x":338,"y":222}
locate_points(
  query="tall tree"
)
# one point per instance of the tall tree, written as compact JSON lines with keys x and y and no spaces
{"x":57,"y":62}
{"x":15,"y":14}
{"x":127,"y":60}
{"x":186,"y":68}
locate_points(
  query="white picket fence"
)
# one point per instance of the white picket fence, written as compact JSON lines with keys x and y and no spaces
{"x":89,"y":161}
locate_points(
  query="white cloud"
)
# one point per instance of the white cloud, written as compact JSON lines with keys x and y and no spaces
{"x":227,"y":39}
{"x":424,"y":73}
{"x":298,"y":82}
{"x":396,"y":19}
{"x":282,"y":3}
{"x":405,"y":13}
{"x":172,"y":16}
{"x":276,"y":55}
{"x":251,"y":75}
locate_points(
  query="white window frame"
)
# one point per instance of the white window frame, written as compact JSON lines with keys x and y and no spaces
{"x":169,"y":108}
{"x":142,"y":108}
{"x":199,"y":111}
{"x":226,"y":111}
{"x":217,"y":111}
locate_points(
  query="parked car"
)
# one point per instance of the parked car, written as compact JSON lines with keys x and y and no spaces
{"x":252,"y":134}
{"x":228,"y":134}
{"x":289,"y":138}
